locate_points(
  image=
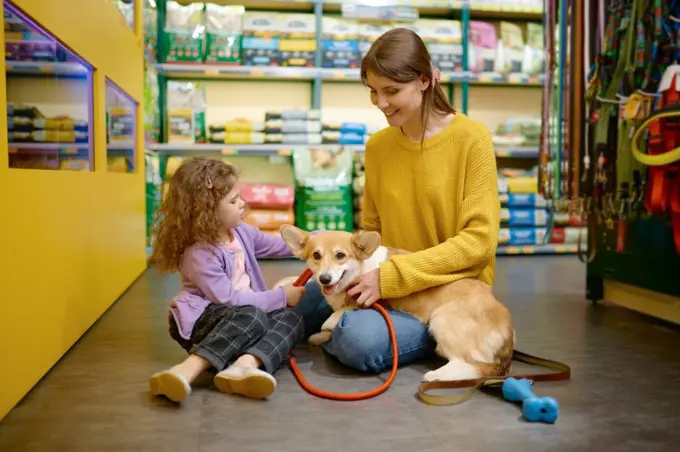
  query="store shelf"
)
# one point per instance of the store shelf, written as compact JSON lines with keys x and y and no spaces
{"x":550,"y":248}
{"x":62,"y":147}
{"x":44,"y":68}
{"x":216,"y":71}
{"x":250,"y":149}
{"x":206,"y":71}
{"x":287,"y":149}
{"x":516,"y":151}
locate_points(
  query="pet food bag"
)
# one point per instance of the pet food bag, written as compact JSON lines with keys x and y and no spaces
{"x":323,"y":179}
{"x":186,"y":112}
{"x":368,"y":33}
{"x":340,"y":43}
{"x":298,"y":39}
{"x":444,"y":40}
{"x":261,"y":39}
{"x":224,"y":33}
{"x":483,"y":45}
{"x":534,"y":59}
{"x":268,"y":196}
{"x":269,"y":219}
{"x":510,"y":54}
{"x":184,"y":32}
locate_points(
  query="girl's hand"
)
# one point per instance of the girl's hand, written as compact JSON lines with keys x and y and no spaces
{"x":293,"y":294}
{"x":368,"y":289}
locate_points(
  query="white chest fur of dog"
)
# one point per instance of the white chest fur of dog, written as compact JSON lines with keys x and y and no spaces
{"x":472,"y":329}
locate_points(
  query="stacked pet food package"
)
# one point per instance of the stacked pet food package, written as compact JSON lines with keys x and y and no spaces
{"x":186,"y":112}
{"x":294,"y":127}
{"x":444,"y":41}
{"x":340,"y":43}
{"x":27,"y":124}
{"x":346,"y":133}
{"x":519,"y":131}
{"x":501,"y":48}
{"x":237,"y":131}
{"x":358,"y":188}
{"x":524,"y":213}
{"x":323,"y":184}
{"x":153,"y":191}
{"x":120,"y":130}
{"x":269,"y":205}
{"x":203,"y":33}
{"x":228,"y":34}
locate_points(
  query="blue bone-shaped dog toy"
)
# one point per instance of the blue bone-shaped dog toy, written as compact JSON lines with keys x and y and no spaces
{"x":534,"y":408}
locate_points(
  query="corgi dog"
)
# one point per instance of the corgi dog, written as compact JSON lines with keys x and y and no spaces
{"x":473,"y":330}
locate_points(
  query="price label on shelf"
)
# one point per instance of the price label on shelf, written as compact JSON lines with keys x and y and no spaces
{"x":257,"y":73}
{"x":286,"y":152}
{"x":212,"y":72}
{"x":69,"y":151}
{"x":228,"y":151}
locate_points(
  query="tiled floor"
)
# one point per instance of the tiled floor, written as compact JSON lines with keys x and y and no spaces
{"x":624,"y":393}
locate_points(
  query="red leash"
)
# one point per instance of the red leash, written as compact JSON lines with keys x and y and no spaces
{"x":301,"y":281}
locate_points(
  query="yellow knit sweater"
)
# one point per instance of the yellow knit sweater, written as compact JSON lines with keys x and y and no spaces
{"x":440,"y":202}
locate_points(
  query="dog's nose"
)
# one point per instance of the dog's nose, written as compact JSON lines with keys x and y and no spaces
{"x":325,"y":278}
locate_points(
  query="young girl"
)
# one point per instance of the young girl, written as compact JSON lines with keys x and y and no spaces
{"x":223,"y":312}
{"x":430,"y":188}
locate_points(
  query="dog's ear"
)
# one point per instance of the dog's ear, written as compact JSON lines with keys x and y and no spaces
{"x":296,"y":239}
{"x":364,"y":243}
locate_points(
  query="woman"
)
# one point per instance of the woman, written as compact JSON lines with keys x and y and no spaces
{"x":431,"y":188}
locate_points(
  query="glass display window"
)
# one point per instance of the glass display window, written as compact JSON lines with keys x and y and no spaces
{"x":121,"y":120}
{"x":49,"y":99}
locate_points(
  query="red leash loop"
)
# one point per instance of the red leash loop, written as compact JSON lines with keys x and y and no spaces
{"x":301,"y":281}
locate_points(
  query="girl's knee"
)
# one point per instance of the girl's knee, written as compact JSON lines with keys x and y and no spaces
{"x":255,"y":319}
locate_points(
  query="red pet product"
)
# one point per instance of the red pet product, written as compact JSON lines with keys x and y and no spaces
{"x":268,"y":196}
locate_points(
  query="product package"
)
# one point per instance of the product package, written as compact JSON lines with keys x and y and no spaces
{"x":261,"y":39}
{"x":483,"y":47}
{"x":323,"y":179}
{"x":298,"y":39}
{"x":368,"y":33}
{"x":184,"y":32}
{"x":268,"y":196}
{"x":524,"y":217}
{"x":444,"y":41}
{"x":340,"y":43}
{"x":534,"y":56}
{"x":186,"y":112}
{"x":510,"y":54}
{"x":224,"y":33}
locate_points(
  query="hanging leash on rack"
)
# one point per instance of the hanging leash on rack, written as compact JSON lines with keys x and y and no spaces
{"x":560,"y":371}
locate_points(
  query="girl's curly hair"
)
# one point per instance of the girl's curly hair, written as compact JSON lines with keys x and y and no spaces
{"x":188,"y":214}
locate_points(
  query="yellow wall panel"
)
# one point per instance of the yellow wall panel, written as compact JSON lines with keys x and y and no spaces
{"x":71,"y":242}
{"x":97,"y":32}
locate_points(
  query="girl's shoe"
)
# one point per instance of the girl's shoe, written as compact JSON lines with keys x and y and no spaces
{"x":170,"y":384}
{"x":247,"y":381}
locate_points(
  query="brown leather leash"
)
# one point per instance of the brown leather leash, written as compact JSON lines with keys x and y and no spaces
{"x":561,"y":372}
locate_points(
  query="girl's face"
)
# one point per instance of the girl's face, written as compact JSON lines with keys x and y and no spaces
{"x":399,"y":102}
{"x":231,"y":208}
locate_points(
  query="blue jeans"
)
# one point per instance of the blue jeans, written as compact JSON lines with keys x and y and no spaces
{"x":361,"y":339}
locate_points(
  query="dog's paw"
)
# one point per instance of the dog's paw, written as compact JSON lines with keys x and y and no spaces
{"x":432,"y":376}
{"x":320,"y":338}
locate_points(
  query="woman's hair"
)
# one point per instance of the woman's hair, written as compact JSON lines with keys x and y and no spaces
{"x":188,"y":214}
{"x":400,"y":55}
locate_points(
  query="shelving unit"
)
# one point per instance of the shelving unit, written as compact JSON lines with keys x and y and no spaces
{"x":248,"y":91}
{"x":73,"y":218}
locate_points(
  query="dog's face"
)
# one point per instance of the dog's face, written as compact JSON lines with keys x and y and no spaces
{"x":335,"y":257}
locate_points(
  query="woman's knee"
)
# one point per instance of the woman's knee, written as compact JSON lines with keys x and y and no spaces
{"x":359,"y":342}
{"x":362,"y":340}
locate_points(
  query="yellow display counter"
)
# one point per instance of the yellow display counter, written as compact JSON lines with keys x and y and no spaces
{"x":72,"y":203}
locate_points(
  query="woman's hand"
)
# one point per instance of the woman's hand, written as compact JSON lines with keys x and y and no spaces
{"x":368,"y":289}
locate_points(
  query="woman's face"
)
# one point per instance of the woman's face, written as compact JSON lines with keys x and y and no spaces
{"x":399,"y":102}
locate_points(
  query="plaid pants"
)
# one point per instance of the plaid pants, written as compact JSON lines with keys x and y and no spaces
{"x":223,"y":333}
